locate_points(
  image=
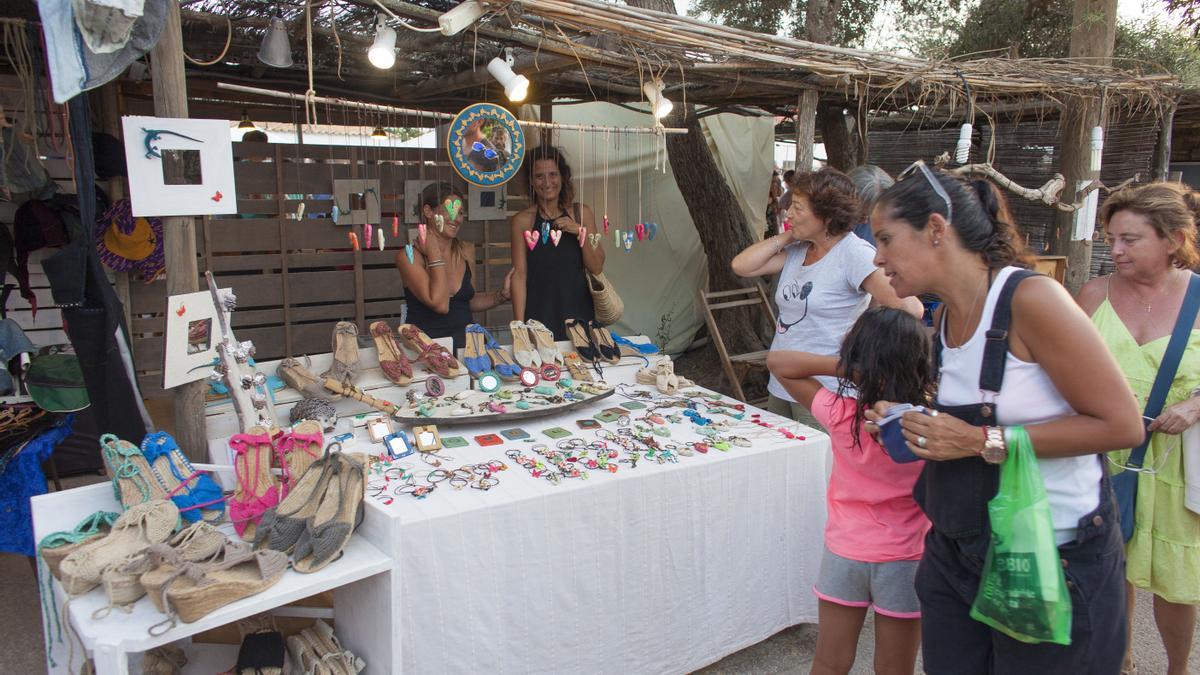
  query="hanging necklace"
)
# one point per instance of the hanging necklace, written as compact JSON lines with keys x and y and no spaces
{"x":974,"y":304}
{"x":1158,"y":291}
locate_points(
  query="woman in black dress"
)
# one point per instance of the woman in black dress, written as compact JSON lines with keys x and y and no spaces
{"x":549,"y":284}
{"x":437,"y":283}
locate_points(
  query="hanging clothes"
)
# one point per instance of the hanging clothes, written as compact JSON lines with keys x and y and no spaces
{"x":22,"y":478}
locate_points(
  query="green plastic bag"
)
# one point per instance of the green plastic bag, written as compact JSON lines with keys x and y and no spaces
{"x":1023,"y":593}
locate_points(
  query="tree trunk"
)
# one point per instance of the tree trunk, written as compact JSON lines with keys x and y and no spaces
{"x":840,"y":133}
{"x":1092,"y":37}
{"x":719,"y":220}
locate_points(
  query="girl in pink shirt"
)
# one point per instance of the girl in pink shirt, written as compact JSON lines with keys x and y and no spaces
{"x":874,"y":535}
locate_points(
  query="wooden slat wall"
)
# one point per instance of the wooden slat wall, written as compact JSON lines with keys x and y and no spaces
{"x":294,"y":279}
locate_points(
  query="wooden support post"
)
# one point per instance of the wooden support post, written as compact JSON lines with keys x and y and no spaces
{"x":806,"y":129}
{"x":1092,"y":37}
{"x":1162,"y":151}
{"x":179,"y":233}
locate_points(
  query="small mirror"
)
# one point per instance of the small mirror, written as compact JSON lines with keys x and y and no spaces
{"x":529,"y":377}
{"x":181,"y":167}
{"x":488,"y":382}
{"x":199,"y":333}
{"x":486,"y":144}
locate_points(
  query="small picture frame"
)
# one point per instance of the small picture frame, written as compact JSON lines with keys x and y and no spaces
{"x":427,"y":438}
{"x":379,"y":428}
{"x":193,"y":333}
{"x":398,"y":445}
{"x":179,"y":166}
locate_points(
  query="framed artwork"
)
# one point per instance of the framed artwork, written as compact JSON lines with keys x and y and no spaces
{"x":357,"y":200}
{"x":193,"y":332}
{"x":412,"y":200}
{"x":179,"y":167}
{"x":486,"y":144}
{"x":485,"y":203}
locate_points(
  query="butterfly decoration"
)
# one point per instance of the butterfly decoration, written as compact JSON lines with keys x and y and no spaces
{"x":640,"y":231}
{"x":555,"y":236}
{"x":628,"y":241}
{"x":545,"y":232}
{"x":218,"y":196}
{"x":408,"y":253}
{"x":182,"y":309}
{"x":531,"y":239}
{"x":582,"y":235}
{"x":651,"y":230}
{"x":606,"y":223}
{"x":367,"y":230}
{"x":594,"y":240}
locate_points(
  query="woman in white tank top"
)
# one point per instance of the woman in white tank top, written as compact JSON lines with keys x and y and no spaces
{"x":1013,"y":349}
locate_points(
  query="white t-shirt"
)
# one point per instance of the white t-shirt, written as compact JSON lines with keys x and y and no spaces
{"x":817,"y":304}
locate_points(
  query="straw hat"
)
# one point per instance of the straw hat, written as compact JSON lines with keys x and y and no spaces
{"x":128,"y":244}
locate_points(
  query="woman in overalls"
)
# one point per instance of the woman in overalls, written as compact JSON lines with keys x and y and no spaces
{"x":1012,"y":348}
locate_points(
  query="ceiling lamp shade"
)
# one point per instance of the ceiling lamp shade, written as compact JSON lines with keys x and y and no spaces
{"x":382,"y":53}
{"x":516,"y":87}
{"x":379,"y":133}
{"x":246,"y":124}
{"x":660,"y":105}
{"x":276,"y":51}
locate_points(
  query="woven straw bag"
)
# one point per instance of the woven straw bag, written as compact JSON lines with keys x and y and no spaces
{"x":609,"y":306}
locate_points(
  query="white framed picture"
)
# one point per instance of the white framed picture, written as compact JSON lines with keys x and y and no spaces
{"x":179,"y":167}
{"x":193,"y":332}
{"x":486,"y":203}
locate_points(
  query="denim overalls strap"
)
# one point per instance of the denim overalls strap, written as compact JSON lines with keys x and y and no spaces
{"x":954,"y":494}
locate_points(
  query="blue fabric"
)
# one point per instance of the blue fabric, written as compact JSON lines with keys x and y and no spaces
{"x":74,"y":67}
{"x":863,"y":230}
{"x":22,"y":479}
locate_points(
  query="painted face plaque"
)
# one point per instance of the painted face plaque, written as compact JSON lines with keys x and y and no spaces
{"x":486,"y":144}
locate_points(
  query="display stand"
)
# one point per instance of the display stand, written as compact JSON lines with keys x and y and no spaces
{"x":115,"y":639}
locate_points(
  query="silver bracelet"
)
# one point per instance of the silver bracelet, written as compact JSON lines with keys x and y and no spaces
{"x":435,"y":263}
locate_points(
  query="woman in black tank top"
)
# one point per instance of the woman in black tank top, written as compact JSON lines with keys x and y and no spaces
{"x":549,"y":284}
{"x":437,"y":283}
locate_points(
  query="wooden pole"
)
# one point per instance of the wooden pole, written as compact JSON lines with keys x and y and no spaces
{"x":179,"y":233}
{"x":806,"y":129}
{"x":1162,"y":151}
{"x":1095,"y":27}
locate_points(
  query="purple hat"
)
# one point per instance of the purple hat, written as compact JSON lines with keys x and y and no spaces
{"x":128,"y":244}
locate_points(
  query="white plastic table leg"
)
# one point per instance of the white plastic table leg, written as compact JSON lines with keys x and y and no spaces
{"x":110,"y":660}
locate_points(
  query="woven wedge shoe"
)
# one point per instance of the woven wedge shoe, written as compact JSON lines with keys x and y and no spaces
{"x":340,"y":512}
{"x":56,"y":546}
{"x":123,"y":582}
{"x":136,"y":529}
{"x":282,"y":526}
{"x":197,"y":589}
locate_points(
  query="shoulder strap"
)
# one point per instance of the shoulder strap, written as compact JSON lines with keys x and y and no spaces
{"x":1169,"y":365}
{"x":995,"y":349}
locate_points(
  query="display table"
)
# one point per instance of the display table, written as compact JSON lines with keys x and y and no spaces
{"x":658,"y":568}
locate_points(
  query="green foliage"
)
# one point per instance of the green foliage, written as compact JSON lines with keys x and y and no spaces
{"x":784,"y":17}
{"x":1042,"y":29}
{"x":662,"y":337}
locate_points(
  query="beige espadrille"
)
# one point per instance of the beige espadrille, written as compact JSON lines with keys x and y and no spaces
{"x":198,"y":589}
{"x":136,"y":529}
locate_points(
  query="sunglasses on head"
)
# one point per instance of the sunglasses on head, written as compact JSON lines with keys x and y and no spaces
{"x":933,"y":182}
{"x":478,"y":146}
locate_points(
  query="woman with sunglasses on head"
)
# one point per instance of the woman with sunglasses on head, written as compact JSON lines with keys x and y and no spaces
{"x":827,"y":276}
{"x":1152,"y":229}
{"x":1011,"y":348}
{"x":548,"y":281}
{"x":437,"y":283}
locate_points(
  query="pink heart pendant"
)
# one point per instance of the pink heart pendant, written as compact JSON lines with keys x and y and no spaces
{"x":422,"y":232}
{"x":555,"y":236}
{"x":582,"y":235}
{"x":395,"y":226}
{"x":367,"y":230}
{"x":640,"y":229}
{"x":531,"y":239}
{"x":606,"y":223}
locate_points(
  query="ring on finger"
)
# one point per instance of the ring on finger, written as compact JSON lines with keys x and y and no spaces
{"x":920,"y":441}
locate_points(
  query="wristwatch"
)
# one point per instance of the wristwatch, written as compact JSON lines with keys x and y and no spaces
{"x":995,"y":450}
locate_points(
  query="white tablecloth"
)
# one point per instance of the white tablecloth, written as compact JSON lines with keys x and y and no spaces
{"x":662,"y":568}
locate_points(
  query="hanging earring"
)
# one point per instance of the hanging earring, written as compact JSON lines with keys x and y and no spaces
{"x":395,"y":226}
{"x":440,"y":222}
{"x":422,"y":233}
{"x":937,"y":242}
{"x":367,"y":229}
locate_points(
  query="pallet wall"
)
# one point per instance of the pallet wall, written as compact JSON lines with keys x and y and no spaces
{"x":295,"y":278}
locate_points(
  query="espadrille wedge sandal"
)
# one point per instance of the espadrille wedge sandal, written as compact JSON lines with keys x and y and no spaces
{"x":136,"y":529}
{"x":197,"y":589}
{"x":133,"y":480}
{"x":330,"y":528}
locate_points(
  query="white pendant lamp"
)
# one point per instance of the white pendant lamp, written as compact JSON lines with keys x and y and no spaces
{"x":276,"y":51}
{"x":382,"y":53}
{"x":660,"y":105}
{"x":516,"y":87}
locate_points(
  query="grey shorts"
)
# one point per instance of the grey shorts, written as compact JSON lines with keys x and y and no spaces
{"x":887,"y":586}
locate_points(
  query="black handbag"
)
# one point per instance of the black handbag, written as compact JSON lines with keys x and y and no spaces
{"x":1125,"y":484}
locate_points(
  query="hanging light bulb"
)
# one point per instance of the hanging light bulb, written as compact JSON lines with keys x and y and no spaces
{"x":660,"y":105}
{"x":382,"y":53}
{"x":276,"y":51}
{"x":379,"y":133}
{"x":246,"y":124}
{"x":516,"y":87}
